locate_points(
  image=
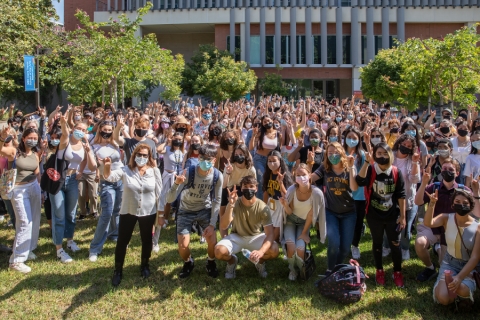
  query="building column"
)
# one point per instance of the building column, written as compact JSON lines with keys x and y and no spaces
{"x":323,"y":31}
{"x":247,"y":35}
{"x":232,"y":31}
{"x":401,"y":21}
{"x":242,"y":41}
{"x":308,"y":34}
{"x":262,"y":33}
{"x":370,"y":36}
{"x":339,"y":34}
{"x":293,"y":33}
{"x":385,"y":25}
{"x":278,"y":32}
{"x":355,"y":36}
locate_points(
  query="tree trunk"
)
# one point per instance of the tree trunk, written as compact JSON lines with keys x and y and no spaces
{"x":103,"y":93}
{"x":123,"y":95}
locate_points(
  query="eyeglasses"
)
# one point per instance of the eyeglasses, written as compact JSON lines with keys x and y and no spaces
{"x":143,"y":155}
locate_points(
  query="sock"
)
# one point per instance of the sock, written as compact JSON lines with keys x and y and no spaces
{"x":437,"y":246}
{"x":69,"y":241}
{"x":59,"y":250}
{"x":432,"y":267}
{"x":189,"y":259}
{"x":210,"y":259}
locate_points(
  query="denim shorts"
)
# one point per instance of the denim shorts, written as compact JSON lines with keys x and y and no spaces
{"x":454,"y":265}
{"x":185,"y":219}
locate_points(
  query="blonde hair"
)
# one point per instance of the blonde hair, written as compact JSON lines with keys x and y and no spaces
{"x":343,"y":157}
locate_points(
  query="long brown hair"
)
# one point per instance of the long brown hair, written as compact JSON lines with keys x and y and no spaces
{"x":246,"y":153}
{"x":343,"y":156}
{"x":132,"y":164}
{"x":98,"y":138}
{"x":190,"y":150}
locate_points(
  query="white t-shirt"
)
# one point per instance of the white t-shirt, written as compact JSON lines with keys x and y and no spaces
{"x":460,"y":153}
{"x":472,"y":165}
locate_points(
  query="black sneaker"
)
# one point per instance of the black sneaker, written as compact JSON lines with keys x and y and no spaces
{"x":145,"y":271}
{"x":81,"y":217}
{"x":187,"y":269}
{"x":211,"y":267}
{"x":117,"y":278}
{"x":427,"y":274}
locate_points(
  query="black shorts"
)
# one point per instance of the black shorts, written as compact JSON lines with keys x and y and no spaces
{"x":225,"y":195}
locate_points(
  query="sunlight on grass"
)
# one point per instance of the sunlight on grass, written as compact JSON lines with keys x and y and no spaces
{"x":82,"y":289}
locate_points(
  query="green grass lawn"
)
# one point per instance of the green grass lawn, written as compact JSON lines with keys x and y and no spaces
{"x":82,"y":289}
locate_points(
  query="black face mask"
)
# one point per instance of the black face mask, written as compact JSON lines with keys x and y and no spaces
{"x":268,"y":125}
{"x":463,"y":115}
{"x":195,"y":146}
{"x":447,"y":117}
{"x":141,"y":132}
{"x":15,"y":128}
{"x":448,"y":176}
{"x":176,"y":143}
{"x":394,"y":130}
{"x":462,"y":133}
{"x":461,"y":209}
{"x":239,"y":159}
{"x":445,"y":130}
{"x":105,"y":135}
{"x":405,"y":150}
{"x":230,"y":141}
{"x":430,"y":144}
{"x":216,"y":132}
{"x":181,"y":130}
{"x":382,"y":160}
{"x":248,"y":193}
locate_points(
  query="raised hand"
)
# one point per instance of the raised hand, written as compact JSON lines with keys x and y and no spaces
{"x":107,"y":161}
{"x":179,"y":179}
{"x":280,"y":176}
{"x":310,"y":156}
{"x":120,"y":121}
{"x":416,"y":157}
{"x":232,"y":195}
{"x":5,"y":132}
{"x":426,"y":178}
{"x":433,"y":197}
{"x":475,"y":184}
{"x":228,"y":167}
{"x":283,"y":200}
{"x":368,"y":157}
{"x":350,"y":161}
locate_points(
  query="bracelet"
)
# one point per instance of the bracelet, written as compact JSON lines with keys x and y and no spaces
{"x":161,"y":215}
{"x":310,"y":162}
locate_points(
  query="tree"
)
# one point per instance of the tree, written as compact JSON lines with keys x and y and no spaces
{"x":226,"y":79}
{"x":105,"y":61}
{"x":273,"y":84}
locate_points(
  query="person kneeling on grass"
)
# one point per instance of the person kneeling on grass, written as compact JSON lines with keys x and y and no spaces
{"x":247,"y":215}
{"x":200,"y":191}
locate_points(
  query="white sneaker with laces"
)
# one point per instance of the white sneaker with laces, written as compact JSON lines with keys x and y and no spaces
{"x":230,"y":270}
{"x":261,"y":269}
{"x":31,"y":256}
{"x":355,"y":252}
{"x":63,"y":256}
{"x":405,"y":254}
{"x":72,"y":246}
{"x":156,"y":248}
{"x":385,"y":252}
{"x":292,"y":275}
{"x":93,"y":257}
{"x":20,"y":267}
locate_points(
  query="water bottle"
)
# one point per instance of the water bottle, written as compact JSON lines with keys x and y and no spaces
{"x":246,"y":253}
{"x":448,"y":280}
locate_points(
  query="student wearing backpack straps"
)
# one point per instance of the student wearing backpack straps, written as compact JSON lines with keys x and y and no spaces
{"x":200,"y":192}
{"x":385,"y":196}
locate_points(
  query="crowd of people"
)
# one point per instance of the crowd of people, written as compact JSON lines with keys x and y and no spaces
{"x":261,"y":173}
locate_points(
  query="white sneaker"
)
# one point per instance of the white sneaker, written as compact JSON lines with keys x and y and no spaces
{"x":20,"y":267}
{"x":230,"y":270}
{"x":72,"y":246}
{"x":156,"y":248}
{"x":355,"y":252}
{"x":31,"y":256}
{"x":93,"y":257}
{"x":202,"y":239}
{"x":405,"y":254}
{"x":63,"y":256}
{"x":2,"y":218}
{"x":385,"y":252}
{"x":261,"y":269}
{"x":292,"y":275}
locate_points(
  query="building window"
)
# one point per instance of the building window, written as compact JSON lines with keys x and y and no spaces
{"x":269,"y":49}
{"x":346,"y":3}
{"x":237,"y":47}
{"x":331,"y":49}
{"x":378,"y":45}
{"x":254,"y":49}
{"x":301,"y":59}
{"x":346,"y":50}
{"x":285,"y":50}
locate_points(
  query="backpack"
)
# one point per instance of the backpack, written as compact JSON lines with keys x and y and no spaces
{"x":346,"y":283}
{"x":368,"y":189}
{"x":191,"y":179}
{"x":436,"y":186}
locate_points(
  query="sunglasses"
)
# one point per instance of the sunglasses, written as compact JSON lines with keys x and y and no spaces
{"x":143,"y":155}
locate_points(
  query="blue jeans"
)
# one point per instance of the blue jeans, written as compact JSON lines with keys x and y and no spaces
{"x":107,"y":226}
{"x":407,"y":232}
{"x":340,"y":230}
{"x":64,"y":209}
{"x":260,"y":164}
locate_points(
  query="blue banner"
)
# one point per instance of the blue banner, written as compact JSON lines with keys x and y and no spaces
{"x":29,"y":72}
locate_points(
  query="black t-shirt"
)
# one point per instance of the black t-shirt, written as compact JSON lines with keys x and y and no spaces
{"x":338,"y":194}
{"x":130,"y":144}
{"x":384,"y":194}
{"x":318,"y":157}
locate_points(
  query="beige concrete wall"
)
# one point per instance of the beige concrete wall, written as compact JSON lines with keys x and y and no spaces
{"x":185,"y":43}
{"x":345,"y":88}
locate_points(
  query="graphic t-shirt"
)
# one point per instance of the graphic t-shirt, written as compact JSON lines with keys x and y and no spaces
{"x":337,"y":190}
{"x":273,"y":187}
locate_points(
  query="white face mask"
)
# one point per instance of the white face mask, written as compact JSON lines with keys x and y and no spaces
{"x":376,"y":141}
{"x":303,"y":180}
{"x":141,"y":161}
{"x":248,"y":125}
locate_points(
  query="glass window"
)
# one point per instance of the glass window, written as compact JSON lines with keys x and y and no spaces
{"x":378,"y":45}
{"x":237,"y":47}
{"x":346,"y":50}
{"x":331,"y":49}
{"x":317,"y":52}
{"x":269,"y":49}
{"x":301,"y":59}
{"x":254,"y":49}
{"x":346,"y":3}
{"x":285,"y":50}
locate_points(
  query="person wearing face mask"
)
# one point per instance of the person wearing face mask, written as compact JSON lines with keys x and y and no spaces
{"x":110,"y":192}
{"x":472,"y":163}
{"x":373,"y":137}
{"x":191,"y":157}
{"x":247,"y":125}
{"x":302,"y":152}
{"x":203,"y":125}
{"x":385,"y":196}
{"x":460,"y":259}
{"x":228,"y":142}
{"x":445,"y":130}
{"x":462,"y":148}
{"x":434,"y":165}
{"x":247,"y":215}
{"x":303,"y":205}
{"x":392,"y":131}
{"x":25,"y":196}
{"x":214,"y":133}
{"x":183,"y":126}
{"x":199,"y":190}
{"x":10,"y":141}
{"x":337,"y":178}
{"x":264,"y":139}
{"x":238,"y":166}
{"x":76,"y":149}
{"x":141,"y":126}
{"x":429,"y":138}
{"x":333,"y":133}
{"x":161,"y":136}
{"x":434,"y":237}
{"x":142,"y":184}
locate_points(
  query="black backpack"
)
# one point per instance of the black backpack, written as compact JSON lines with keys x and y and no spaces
{"x":346,"y":283}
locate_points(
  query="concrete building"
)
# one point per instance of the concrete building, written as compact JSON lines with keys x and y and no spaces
{"x":319,"y":44}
